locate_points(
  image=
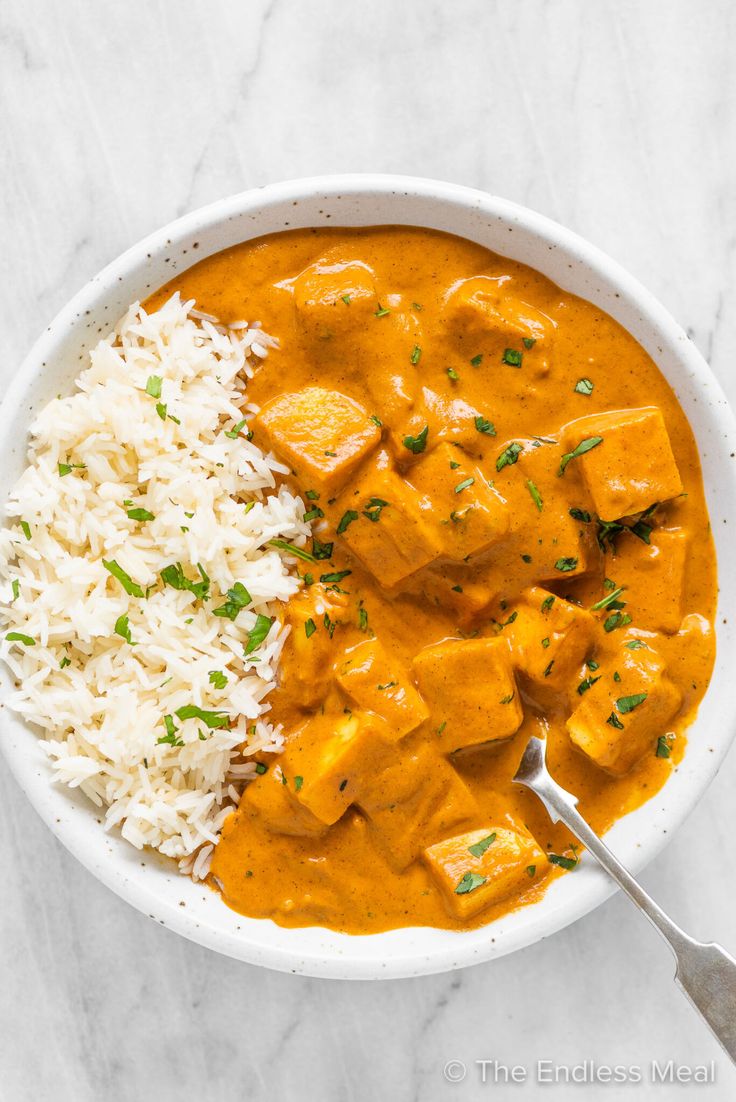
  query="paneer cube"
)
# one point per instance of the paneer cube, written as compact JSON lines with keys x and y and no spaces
{"x":470,"y":689}
{"x":550,"y":637}
{"x":653,"y":577}
{"x":379,"y":683}
{"x":547,"y":532}
{"x":305,"y":669}
{"x":331,"y":298}
{"x":467,"y":514}
{"x":323,"y":435}
{"x":327,"y":761}
{"x":632,"y":468}
{"x":271,"y":801}
{"x":391,"y":533}
{"x":416,"y":798}
{"x":482,"y":305}
{"x":485,"y":867}
{"x":448,"y":586}
{"x":623,"y":713}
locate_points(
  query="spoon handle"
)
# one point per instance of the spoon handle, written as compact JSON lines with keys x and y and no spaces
{"x":705,"y":971}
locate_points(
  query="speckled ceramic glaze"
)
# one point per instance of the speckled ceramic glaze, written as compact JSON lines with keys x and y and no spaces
{"x":144,"y":879}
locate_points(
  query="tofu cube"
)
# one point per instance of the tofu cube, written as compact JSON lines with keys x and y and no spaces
{"x":618,"y":721}
{"x":323,"y":435}
{"x":327,"y":761}
{"x":485,"y":867}
{"x":482,"y":305}
{"x":380,"y":684}
{"x":392,"y":535}
{"x":305,"y":668}
{"x":550,"y":638}
{"x":332,"y":298}
{"x":468,"y":516}
{"x":414,"y":799}
{"x":470,"y":690}
{"x":653,"y":577}
{"x":632,"y":468}
{"x":273,"y":803}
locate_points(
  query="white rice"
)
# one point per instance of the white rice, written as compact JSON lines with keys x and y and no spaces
{"x":99,"y":700}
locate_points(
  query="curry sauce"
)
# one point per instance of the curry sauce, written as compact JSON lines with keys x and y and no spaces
{"x":510,"y":537}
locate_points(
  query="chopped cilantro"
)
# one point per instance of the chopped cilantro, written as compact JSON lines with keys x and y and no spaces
{"x":237,"y":598}
{"x":583,"y":447}
{"x":153,"y":386}
{"x":346,"y":519}
{"x":469,"y":883}
{"x":235,"y":432}
{"x":19,"y":637}
{"x":536,"y":496}
{"x":418,"y":443}
{"x":614,"y":721}
{"x":628,"y":703}
{"x":122,"y":629}
{"x":512,"y":357}
{"x":485,"y":426}
{"x":213,"y":720}
{"x":416,"y":354}
{"x":477,"y":360}
{"x":479,"y":848}
{"x":309,"y":627}
{"x":509,"y":456}
{"x":131,"y":588}
{"x":257,"y":634}
{"x":466,"y":482}
{"x":140,"y":514}
{"x":563,"y":862}
{"x":300,"y":553}
{"x":218,"y":679}
{"x":583,"y":386}
{"x":566,"y":564}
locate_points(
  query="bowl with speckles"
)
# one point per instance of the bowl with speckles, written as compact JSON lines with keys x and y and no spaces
{"x":144,"y":879}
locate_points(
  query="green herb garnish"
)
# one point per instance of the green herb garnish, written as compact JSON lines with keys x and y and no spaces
{"x":218,"y":679}
{"x":479,"y":848}
{"x":213,"y":720}
{"x":509,"y":456}
{"x":418,"y":443}
{"x":237,"y":598}
{"x":469,"y":883}
{"x":536,"y":496}
{"x":485,"y":426}
{"x":583,"y":386}
{"x":122,"y":629}
{"x":140,"y":514}
{"x":583,"y":447}
{"x":153,"y":386}
{"x":300,"y":553}
{"x":131,"y":588}
{"x":628,"y":703}
{"x":512,"y":357}
{"x":466,"y":482}
{"x":257,"y":634}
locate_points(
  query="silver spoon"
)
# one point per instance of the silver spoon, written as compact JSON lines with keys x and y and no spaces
{"x":705,"y":972}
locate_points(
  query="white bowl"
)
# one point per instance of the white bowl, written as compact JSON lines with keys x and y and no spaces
{"x":192,"y":910}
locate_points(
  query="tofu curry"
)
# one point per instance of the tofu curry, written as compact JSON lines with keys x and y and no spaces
{"x":510,"y":537}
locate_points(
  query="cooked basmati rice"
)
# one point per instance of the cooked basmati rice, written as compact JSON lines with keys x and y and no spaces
{"x":143,"y":468}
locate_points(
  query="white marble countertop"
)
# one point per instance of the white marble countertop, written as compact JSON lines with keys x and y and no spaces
{"x":617,"y":118}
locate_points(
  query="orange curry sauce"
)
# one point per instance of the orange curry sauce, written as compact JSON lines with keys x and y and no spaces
{"x":452,"y":384}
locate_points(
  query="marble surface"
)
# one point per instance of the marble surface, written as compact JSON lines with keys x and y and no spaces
{"x":617,"y":118}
